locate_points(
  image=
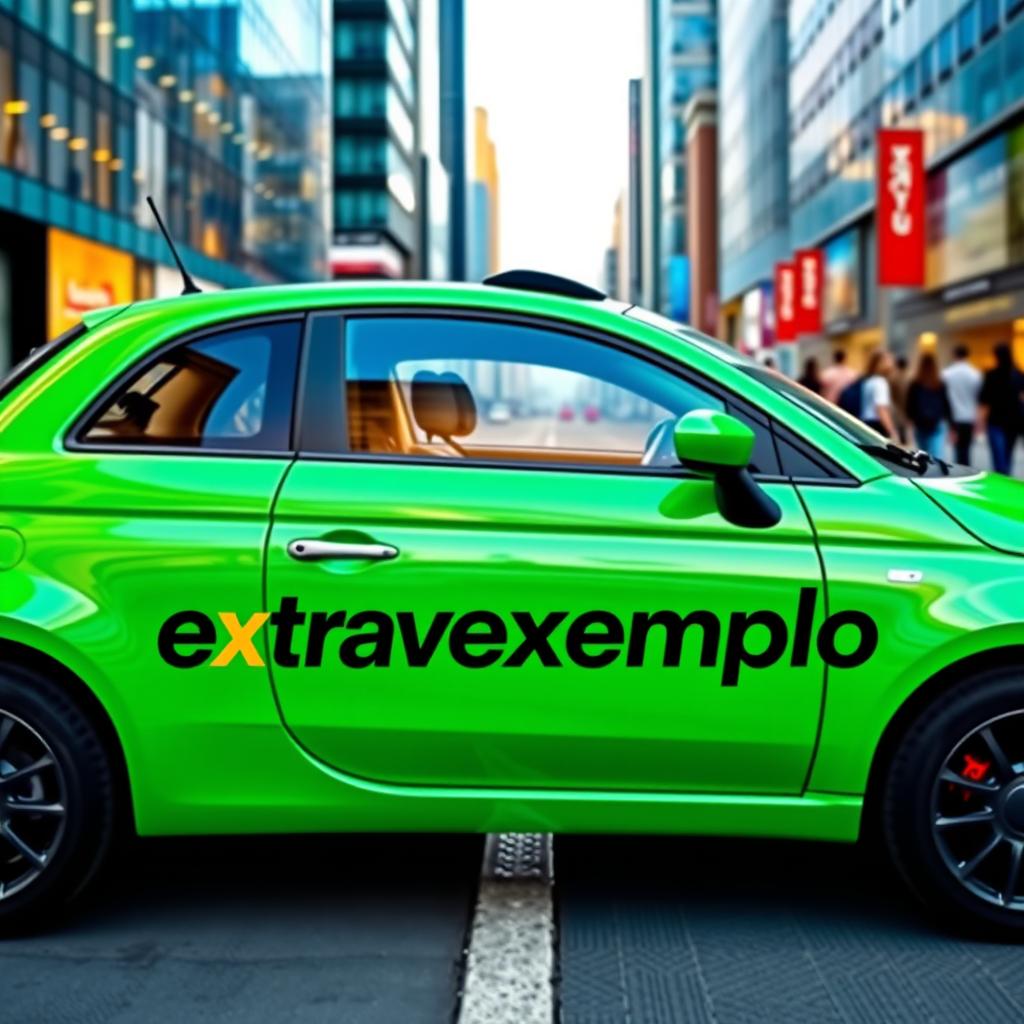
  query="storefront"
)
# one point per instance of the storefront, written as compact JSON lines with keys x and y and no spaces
{"x":975,"y":255}
{"x":83,"y":275}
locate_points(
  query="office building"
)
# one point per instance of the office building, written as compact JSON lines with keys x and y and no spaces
{"x":681,"y":59}
{"x":484,"y":203}
{"x":753,"y":189}
{"x":209,"y":107}
{"x":399,"y":139}
{"x":952,"y":69}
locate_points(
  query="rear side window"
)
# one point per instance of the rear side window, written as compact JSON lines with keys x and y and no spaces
{"x":228,"y":390}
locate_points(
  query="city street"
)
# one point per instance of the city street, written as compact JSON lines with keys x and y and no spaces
{"x":374,"y":929}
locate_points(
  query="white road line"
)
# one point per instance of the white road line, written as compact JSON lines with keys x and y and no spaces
{"x":510,"y":963}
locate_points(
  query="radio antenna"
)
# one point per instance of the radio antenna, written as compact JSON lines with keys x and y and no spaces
{"x":191,"y":288}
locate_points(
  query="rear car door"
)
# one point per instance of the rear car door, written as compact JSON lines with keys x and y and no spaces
{"x":157,"y":511}
{"x":479,"y":583}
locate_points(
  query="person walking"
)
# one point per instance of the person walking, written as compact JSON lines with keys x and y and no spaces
{"x":963,"y":385}
{"x":999,"y":408}
{"x":928,"y":408}
{"x":899,"y":383}
{"x":835,"y":379}
{"x":811,"y":378}
{"x":876,"y":396}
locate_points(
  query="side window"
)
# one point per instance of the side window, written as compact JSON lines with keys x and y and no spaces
{"x":466,"y":389}
{"x":232,"y":389}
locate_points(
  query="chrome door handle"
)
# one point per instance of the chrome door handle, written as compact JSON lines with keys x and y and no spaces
{"x":325,"y":550}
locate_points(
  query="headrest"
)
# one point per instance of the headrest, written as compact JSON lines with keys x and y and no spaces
{"x":443,"y":404}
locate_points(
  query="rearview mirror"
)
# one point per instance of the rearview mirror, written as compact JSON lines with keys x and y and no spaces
{"x":715,"y":442}
{"x":707,"y":439}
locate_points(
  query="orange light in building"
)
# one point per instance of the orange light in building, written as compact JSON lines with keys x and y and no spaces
{"x":145,"y":62}
{"x":186,"y":95}
{"x":227,"y":128}
{"x":101,"y":156}
{"x":105,"y":28}
{"x":202,"y":107}
{"x":59,"y":134}
{"x":124,"y":42}
{"x":78,"y":144}
{"x":16,"y":107}
{"x":927,"y":341}
{"x":48,"y":121}
{"x":81,"y":7}
{"x":167,"y":81}
{"x":116,"y":164}
{"x":213,"y":117}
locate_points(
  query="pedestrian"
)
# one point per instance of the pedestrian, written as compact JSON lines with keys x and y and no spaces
{"x":928,"y":408}
{"x":835,"y":379}
{"x":811,"y":378}
{"x":899,"y":382}
{"x":876,"y":396}
{"x":999,"y":408}
{"x":963,"y":385}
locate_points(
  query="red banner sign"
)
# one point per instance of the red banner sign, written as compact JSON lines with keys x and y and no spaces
{"x":785,"y":302}
{"x":810,"y":290}
{"x":900,"y":209}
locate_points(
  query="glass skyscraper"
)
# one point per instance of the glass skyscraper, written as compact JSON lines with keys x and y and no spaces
{"x":753,"y":165}
{"x":681,"y":59}
{"x":216,"y":109}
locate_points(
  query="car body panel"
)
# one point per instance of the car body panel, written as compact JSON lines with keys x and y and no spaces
{"x":502,"y":540}
{"x":988,"y":505}
{"x":98,"y":547}
{"x":968,"y":600}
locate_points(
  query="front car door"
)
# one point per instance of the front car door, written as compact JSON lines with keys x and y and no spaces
{"x":486,"y":570}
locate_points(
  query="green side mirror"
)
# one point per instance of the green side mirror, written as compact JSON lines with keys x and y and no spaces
{"x":713,"y":440}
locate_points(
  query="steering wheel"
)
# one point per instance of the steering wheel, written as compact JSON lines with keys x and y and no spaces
{"x":660,"y":446}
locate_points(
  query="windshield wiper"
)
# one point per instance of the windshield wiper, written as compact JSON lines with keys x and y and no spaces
{"x":917,"y":459}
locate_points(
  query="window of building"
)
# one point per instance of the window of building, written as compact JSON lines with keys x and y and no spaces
{"x":910,"y":87}
{"x":231,"y":390}
{"x":693,"y":33}
{"x":967,"y":30}
{"x":927,"y":73}
{"x":944,"y":52}
{"x":989,"y":18}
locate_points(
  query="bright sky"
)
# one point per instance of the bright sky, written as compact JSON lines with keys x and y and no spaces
{"x":554,"y":76}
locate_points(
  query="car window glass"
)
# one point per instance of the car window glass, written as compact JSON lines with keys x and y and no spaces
{"x":228,"y":390}
{"x":466,"y":389}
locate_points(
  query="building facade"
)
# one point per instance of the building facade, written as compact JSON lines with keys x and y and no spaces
{"x":753,"y":190}
{"x":484,"y":240}
{"x":681,"y":59}
{"x":209,"y":107}
{"x":952,"y":69}
{"x":399,"y":139}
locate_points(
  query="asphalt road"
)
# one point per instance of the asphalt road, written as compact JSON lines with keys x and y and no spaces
{"x":734,"y":931}
{"x":349,"y":929}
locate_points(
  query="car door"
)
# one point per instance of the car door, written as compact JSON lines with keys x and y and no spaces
{"x":477,"y":582}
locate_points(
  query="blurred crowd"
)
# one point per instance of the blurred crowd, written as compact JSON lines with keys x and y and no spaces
{"x":929,"y":406}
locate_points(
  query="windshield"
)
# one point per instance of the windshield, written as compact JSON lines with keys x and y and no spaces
{"x":849,"y":427}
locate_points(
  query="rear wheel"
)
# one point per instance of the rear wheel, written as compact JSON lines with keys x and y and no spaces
{"x":953,"y":812}
{"x":56,"y":799}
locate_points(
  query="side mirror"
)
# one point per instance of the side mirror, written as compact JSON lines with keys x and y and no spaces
{"x":707,"y":439}
{"x":717,"y":443}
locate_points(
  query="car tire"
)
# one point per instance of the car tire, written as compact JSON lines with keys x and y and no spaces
{"x":953,"y":805}
{"x":51,"y":758}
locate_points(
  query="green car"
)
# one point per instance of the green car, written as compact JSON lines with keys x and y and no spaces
{"x":510,"y":557}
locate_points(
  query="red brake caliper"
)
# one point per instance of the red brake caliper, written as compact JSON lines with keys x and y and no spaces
{"x":973,"y":769}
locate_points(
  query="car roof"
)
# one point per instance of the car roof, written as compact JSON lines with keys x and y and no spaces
{"x":344,"y":293}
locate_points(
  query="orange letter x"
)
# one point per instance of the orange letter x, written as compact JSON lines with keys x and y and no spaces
{"x":241,"y":639}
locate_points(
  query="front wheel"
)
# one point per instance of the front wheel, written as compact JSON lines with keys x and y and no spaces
{"x":56,"y":799}
{"x":953,"y":811}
